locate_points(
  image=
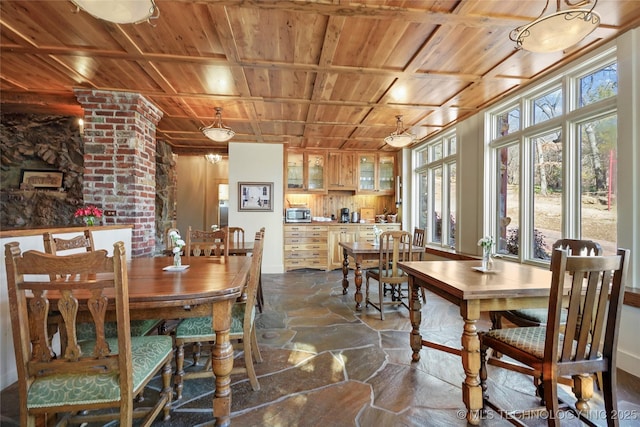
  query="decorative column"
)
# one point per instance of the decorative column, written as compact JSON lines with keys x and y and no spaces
{"x":120,"y":161}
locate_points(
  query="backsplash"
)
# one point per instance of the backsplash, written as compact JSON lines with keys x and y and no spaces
{"x":326,"y":205}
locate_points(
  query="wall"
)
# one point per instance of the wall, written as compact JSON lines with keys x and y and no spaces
{"x":104,"y":237}
{"x":629,"y":188}
{"x":259,"y":163}
{"x":47,"y":142}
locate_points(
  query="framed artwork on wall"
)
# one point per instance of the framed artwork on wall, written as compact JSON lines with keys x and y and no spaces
{"x":30,"y":178}
{"x":255,"y":196}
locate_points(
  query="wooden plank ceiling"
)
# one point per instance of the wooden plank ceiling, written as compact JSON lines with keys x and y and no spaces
{"x":329,"y":74}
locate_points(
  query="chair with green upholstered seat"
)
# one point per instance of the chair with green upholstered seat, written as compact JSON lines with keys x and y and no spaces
{"x":86,"y":331}
{"x":196,"y":330}
{"x":81,"y":383}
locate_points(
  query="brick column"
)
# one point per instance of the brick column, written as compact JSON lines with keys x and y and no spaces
{"x":120,"y":161}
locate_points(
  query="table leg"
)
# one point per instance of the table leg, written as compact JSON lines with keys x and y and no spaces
{"x":415,"y":314}
{"x":357,"y":279}
{"x":222,"y":362}
{"x":471,"y":390}
{"x":345,"y":272}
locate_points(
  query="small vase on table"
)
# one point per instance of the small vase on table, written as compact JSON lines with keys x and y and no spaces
{"x":487,"y":261}
{"x":177,"y":259}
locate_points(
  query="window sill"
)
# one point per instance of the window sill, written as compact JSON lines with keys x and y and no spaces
{"x":631,"y":294}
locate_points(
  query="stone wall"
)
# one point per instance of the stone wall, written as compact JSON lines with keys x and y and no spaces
{"x":43,"y":142}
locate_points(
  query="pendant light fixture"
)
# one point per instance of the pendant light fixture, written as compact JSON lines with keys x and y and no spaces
{"x":557,"y":31}
{"x":120,"y":11}
{"x":217,"y":131}
{"x":213,"y":158}
{"x":400,"y":137}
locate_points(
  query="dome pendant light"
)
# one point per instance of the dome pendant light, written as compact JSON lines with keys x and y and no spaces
{"x":217,"y":131}
{"x":400,"y":138}
{"x":557,"y":31}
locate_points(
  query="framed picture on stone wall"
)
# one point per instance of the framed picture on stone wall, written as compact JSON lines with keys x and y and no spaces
{"x":255,"y":196}
{"x":43,"y":179}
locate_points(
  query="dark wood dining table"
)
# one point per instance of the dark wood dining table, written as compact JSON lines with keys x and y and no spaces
{"x":361,"y":251}
{"x":510,"y":285}
{"x":208,"y":286}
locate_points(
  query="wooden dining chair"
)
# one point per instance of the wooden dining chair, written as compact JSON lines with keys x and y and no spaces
{"x":243,"y":329}
{"x":90,"y":375}
{"x":207,"y":243}
{"x":538,"y":316}
{"x":419,"y":240}
{"x":85,"y":331}
{"x":395,"y":247}
{"x":597,"y":290}
{"x":236,"y":235}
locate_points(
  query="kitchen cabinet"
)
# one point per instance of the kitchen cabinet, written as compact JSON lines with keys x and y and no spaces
{"x":376,"y":174}
{"x":306,"y":172}
{"x":305,"y":246}
{"x":366,"y":234}
{"x":342,"y":171}
{"x":337,"y":234}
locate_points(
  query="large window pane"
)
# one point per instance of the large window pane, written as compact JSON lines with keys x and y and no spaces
{"x":436,"y":152}
{"x":547,"y":106}
{"x":452,"y":205}
{"x":599,"y":85}
{"x":423,"y":202}
{"x":435,"y":233}
{"x":508,"y":200}
{"x":547,"y":195}
{"x":507,"y":122}
{"x":598,"y":141}
{"x":452,"y":146}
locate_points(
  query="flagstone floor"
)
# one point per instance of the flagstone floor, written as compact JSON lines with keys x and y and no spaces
{"x":327,"y":365}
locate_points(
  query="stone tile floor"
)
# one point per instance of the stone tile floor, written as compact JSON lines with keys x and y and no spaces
{"x":327,"y":365}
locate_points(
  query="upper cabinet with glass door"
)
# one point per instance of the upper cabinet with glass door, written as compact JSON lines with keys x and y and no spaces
{"x":376,"y":173}
{"x":306,"y":172}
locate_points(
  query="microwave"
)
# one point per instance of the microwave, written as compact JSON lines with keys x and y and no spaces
{"x":298,"y":215}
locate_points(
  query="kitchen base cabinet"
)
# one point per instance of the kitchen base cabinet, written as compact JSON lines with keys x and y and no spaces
{"x":337,"y":234}
{"x":305,"y":246}
{"x":316,"y":246}
{"x":366,"y":234}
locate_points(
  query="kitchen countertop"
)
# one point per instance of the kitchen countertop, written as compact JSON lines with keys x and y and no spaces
{"x":339,"y":223}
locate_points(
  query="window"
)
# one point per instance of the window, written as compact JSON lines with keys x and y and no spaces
{"x":555,"y":166}
{"x":436,"y":175}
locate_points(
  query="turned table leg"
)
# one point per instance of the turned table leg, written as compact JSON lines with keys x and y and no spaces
{"x":345,"y":272}
{"x":471,"y":390}
{"x":358,"y":281}
{"x":415,"y":314}
{"x":222,"y":362}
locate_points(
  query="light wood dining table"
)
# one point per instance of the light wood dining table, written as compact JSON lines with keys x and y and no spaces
{"x":361,"y":251}
{"x":510,"y":285}
{"x":209,"y":286}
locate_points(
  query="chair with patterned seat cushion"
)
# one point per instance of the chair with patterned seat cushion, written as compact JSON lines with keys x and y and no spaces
{"x":86,"y":331}
{"x":395,"y":247}
{"x":538,"y":316}
{"x":199,"y":329}
{"x":80,"y":384}
{"x":585,"y":346}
